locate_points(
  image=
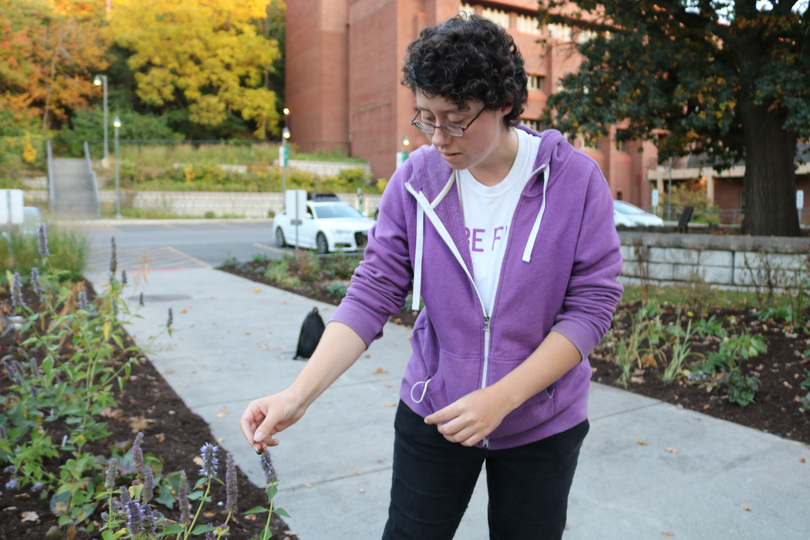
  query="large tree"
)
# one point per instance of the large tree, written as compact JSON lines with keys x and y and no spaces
{"x":727,"y":79}
{"x":204,"y":56}
{"x":49,"y":50}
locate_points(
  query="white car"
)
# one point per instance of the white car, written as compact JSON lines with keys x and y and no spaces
{"x":326,"y":226}
{"x":629,"y":215}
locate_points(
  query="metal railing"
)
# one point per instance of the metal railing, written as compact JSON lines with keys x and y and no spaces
{"x":51,"y":189}
{"x":93,"y":181}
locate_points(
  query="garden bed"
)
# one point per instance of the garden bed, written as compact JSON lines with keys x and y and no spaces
{"x":173,"y":434}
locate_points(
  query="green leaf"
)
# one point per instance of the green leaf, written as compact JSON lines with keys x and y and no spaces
{"x":281,"y":512}
{"x":257,"y":510}
{"x":200,"y":529}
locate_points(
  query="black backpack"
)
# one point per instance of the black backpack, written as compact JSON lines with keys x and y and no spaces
{"x":311,"y":332}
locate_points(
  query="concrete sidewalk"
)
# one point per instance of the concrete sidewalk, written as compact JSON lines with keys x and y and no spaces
{"x":647,"y":470}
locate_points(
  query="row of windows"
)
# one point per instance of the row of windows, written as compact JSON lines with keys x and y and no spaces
{"x":527,"y":24}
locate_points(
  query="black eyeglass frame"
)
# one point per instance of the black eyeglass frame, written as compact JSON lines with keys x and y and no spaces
{"x":422,"y":124}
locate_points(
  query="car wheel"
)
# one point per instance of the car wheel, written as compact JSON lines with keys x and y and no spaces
{"x":322,"y":244}
{"x":280,"y":241}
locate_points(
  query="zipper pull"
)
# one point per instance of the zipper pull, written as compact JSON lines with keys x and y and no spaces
{"x":486,"y":323}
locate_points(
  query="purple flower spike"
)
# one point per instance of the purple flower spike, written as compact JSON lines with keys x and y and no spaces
{"x":112,"y":471}
{"x":231,"y":488}
{"x":16,"y":291}
{"x":42,"y":240}
{"x":266,"y":461}
{"x":113,"y":260}
{"x":134,"y":518}
{"x":210,"y":461}
{"x":82,"y":300}
{"x":148,"y":484}
{"x":123,"y":278}
{"x":36,"y":488}
{"x":35,"y":282}
{"x":171,"y":318}
{"x":137,"y":452}
{"x":182,"y":499}
{"x":11,"y":484}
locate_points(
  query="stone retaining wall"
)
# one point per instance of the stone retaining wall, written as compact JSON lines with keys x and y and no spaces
{"x":722,"y":261}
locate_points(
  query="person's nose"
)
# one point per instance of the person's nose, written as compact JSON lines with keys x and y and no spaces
{"x":439,"y":138}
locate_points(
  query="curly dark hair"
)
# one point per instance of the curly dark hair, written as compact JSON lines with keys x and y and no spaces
{"x":468,"y":58}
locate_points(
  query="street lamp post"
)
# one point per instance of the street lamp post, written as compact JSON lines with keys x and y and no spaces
{"x":101,"y":80}
{"x":117,"y":124}
{"x":284,"y":155}
{"x":402,"y":155}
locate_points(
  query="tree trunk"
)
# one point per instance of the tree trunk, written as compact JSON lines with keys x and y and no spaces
{"x":769,"y":184}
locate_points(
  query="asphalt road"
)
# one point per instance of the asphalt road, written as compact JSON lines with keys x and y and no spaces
{"x":161,"y":245}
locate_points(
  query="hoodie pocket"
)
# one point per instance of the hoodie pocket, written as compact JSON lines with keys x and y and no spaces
{"x":534,"y":411}
{"x":455,"y":377}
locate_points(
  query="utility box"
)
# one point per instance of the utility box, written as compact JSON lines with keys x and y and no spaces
{"x":11,"y":207}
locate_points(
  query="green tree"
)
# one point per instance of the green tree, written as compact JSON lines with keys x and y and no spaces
{"x":728,"y":79}
{"x":205,"y":57}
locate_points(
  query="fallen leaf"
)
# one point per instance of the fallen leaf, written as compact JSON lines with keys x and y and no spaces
{"x":642,"y":443}
{"x":745,"y":507}
{"x":379,"y":371}
{"x":198,"y":461}
{"x":390,"y":405}
{"x":30,"y":516}
{"x":361,"y":490}
{"x":209,"y":514}
{"x":357,"y":471}
{"x":672,"y":450}
{"x":251,"y":517}
{"x":221,"y":440}
{"x":257,"y":289}
{"x":160,"y":437}
{"x":184,"y":310}
{"x":221,"y":413}
{"x":667,"y":533}
{"x":246,"y":334}
{"x":307,"y":485}
{"x":168,"y":372}
{"x":139,"y":423}
{"x":801,"y":460}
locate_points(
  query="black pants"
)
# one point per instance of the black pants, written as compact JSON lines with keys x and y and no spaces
{"x":433,"y":481}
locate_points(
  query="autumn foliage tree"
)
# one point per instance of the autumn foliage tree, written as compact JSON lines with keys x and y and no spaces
{"x":49,"y":50}
{"x":727,"y":79}
{"x":202,"y":56}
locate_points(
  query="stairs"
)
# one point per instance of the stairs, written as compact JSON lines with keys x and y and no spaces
{"x":74,"y":193}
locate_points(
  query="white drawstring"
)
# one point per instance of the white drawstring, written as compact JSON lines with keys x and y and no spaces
{"x":424,"y":390}
{"x":527,"y":252}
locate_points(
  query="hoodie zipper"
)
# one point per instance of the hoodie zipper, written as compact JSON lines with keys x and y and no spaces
{"x":485,"y":440}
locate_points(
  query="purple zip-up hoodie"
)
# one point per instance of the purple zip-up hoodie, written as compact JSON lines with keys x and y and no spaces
{"x":559,"y":273}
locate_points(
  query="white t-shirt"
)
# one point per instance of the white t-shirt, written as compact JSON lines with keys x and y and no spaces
{"x":488,"y":212}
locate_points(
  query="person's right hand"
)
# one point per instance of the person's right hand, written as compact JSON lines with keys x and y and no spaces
{"x":265,"y":417}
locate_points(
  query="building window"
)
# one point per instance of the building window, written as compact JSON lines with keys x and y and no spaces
{"x":527,"y":24}
{"x":498,"y":16}
{"x":584,"y":35}
{"x":560,"y":32}
{"x":535,"y":82}
{"x":621,"y":146}
{"x":532,"y":123}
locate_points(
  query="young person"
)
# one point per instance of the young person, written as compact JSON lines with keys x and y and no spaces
{"x":507,"y":235}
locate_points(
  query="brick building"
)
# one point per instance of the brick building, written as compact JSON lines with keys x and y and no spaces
{"x":343,"y":80}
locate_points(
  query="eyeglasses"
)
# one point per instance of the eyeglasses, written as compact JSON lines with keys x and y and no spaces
{"x":450,"y":128}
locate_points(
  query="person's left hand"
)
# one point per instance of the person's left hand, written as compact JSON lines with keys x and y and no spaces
{"x":469,"y":419}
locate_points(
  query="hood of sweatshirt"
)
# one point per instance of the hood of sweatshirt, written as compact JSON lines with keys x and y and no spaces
{"x":434,"y":180}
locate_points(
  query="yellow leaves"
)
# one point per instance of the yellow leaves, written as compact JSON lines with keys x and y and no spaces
{"x":29,"y":153}
{"x":107,"y":327}
{"x":205,"y":53}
